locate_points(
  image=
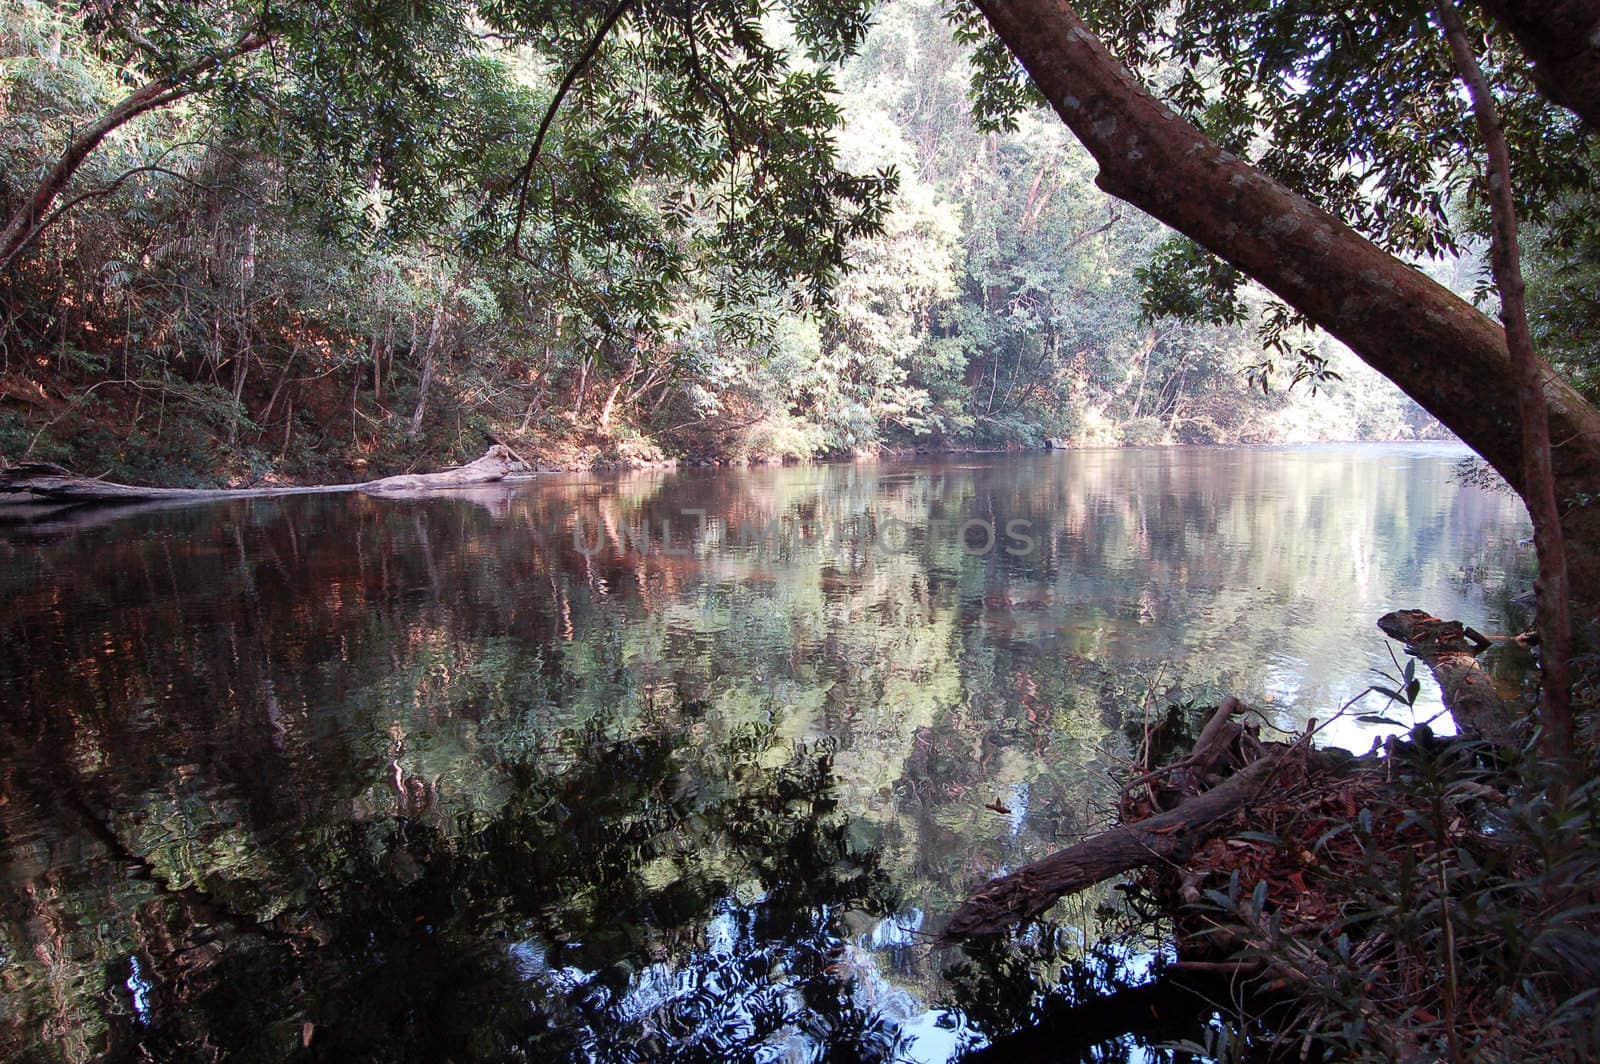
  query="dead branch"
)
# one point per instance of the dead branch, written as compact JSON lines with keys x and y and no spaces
{"x":37,"y":483}
{"x":1165,"y":837}
{"x":1471,"y":695}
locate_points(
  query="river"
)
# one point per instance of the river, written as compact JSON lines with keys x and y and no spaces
{"x":669,"y":765}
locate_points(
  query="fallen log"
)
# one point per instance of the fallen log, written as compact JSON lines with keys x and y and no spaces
{"x":1222,"y":747}
{"x":1165,"y":837}
{"x":1450,"y":650}
{"x":41,"y":483}
{"x":497,"y":463}
{"x":1221,"y":744}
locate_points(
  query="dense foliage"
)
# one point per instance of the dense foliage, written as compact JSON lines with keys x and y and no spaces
{"x":255,"y":241}
{"x":1358,"y":109}
{"x":606,"y":231}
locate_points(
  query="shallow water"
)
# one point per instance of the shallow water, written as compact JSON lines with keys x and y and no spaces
{"x":663,"y":766}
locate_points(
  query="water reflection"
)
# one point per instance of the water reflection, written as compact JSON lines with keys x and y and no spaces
{"x":504,"y":774}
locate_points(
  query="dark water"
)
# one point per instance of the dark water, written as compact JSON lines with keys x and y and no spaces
{"x":513,"y":775}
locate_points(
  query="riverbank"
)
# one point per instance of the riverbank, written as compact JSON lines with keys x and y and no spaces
{"x":1432,"y":900}
{"x":290,"y":421}
{"x":115,"y":434}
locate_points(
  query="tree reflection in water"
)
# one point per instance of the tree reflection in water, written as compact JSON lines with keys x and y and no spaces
{"x":595,"y":915}
{"x":354,"y":779}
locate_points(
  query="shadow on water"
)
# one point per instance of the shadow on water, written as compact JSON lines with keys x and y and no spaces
{"x":617,"y":908}
{"x":526,"y":775}
{"x":596,"y":915}
{"x":608,"y":912}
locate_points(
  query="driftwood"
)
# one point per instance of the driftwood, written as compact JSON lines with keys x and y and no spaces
{"x":30,"y":485}
{"x":1167,"y":836}
{"x":497,"y":463}
{"x":1451,"y":651}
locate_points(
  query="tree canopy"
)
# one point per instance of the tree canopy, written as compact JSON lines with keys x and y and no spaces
{"x":498,"y":218}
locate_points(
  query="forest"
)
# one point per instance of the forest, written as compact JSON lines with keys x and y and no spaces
{"x":282,"y":277}
{"x":281,"y":773}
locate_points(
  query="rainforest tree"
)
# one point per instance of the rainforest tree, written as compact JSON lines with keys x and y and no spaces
{"x":544,"y":190}
{"x":397,"y":117}
{"x":1303,"y":147}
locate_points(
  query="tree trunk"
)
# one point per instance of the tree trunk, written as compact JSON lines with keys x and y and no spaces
{"x":1151,"y":338}
{"x":1167,"y":836}
{"x":355,"y":396}
{"x":241,"y":326}
{"x":428,"y":350}
{"x":427,"y":374}
{"x":610,"y":403}
{"x":277,"y":389}
{"x":44,"y":483}
{"x":33,"y":215}
{"x":382,"y":346}
{"x":622,"y":381}
{"x":1562,"y":37}
{"x":1447,"y":356}
{"x":1555,"y":622}
{"x":583,"y":388}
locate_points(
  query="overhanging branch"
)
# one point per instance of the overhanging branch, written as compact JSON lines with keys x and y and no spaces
{"x":524,"y":179}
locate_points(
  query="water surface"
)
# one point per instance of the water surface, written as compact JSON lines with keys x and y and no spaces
{"x":663,"y":766}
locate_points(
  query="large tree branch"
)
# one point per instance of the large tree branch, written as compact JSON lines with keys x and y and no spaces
{"x":1451,"y":651}
{"x":1166,"y":837}
{"x":34,"y":215}
{"x":1443,"y":353}
{"x":122,"y":179}
{"x":1562,"y":37}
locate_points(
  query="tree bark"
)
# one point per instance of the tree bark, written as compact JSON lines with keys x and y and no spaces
{"x":495,"y":465}
{"x":611,"y":402}
{"x":1447,"y":356}
{"x":31,"y":218}
{"x":428,"y":351}
{"x":1562,"y":37}
{"x":29,"y":485}
{"x":1168,"y":1008}
{"x":583,"y":388}
{"x":1205,"y":803}
{"x":1451,"y":654}
{"x":1555,"y":622}
{"x":1169,"y":836}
